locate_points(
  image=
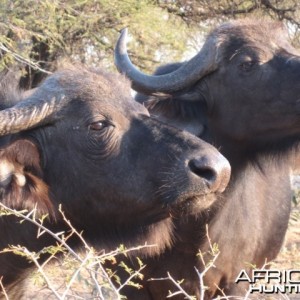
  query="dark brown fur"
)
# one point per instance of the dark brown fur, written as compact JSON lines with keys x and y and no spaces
{"x":118,"y":173}
{"x":249,"y":108}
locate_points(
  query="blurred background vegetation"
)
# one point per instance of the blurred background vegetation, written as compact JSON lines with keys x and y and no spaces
{"x":35,"y":34}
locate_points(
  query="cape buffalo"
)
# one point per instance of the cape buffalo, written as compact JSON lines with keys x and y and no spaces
{"x":80,"y":140}
{"x":240,"y":92}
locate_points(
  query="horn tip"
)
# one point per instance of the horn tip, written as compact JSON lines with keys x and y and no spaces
{"x":121,"y":48}
{"x":124,"y":31}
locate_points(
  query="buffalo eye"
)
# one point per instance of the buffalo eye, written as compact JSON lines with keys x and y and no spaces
{"x":97,"y":126}
{"x":247,"y":66}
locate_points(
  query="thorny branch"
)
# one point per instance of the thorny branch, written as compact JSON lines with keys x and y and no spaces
{"x":88,"y":262}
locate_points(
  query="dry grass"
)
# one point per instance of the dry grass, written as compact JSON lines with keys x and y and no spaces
{"x":289,"y":257}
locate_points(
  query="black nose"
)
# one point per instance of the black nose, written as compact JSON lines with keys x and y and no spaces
{"x":215,"y":171}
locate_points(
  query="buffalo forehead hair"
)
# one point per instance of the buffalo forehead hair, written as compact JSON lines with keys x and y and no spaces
{"x":75,"y":79}
{"x":260,"y":33}
{"x":80,"y":81}
{"x":250,"y":28}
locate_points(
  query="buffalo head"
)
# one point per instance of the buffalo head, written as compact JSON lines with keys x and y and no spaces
{"x":245,"y":78}
{"x":241,"y":92}
{"x":80,"y":140}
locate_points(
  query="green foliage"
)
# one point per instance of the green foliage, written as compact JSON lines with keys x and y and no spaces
{"x":40,"y":32}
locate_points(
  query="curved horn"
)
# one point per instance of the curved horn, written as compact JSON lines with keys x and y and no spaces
{"x":30,"y":113}
{"x":190,"y":72}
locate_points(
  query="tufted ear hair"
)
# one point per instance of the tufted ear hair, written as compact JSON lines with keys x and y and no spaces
{"x":189,"y":116}
{"x":21,"y":178}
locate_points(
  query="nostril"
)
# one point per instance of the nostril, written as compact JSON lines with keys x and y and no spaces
{"x":213,"y":170}
{"x":201,"y":168}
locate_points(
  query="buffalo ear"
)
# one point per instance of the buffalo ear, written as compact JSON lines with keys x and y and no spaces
{"x":21,"y":178}
{"x":185,"y":111}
